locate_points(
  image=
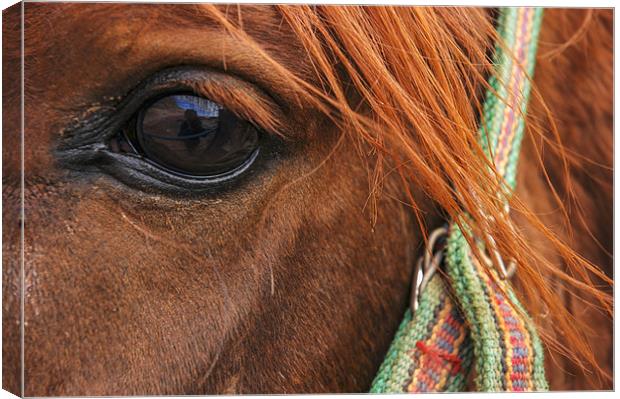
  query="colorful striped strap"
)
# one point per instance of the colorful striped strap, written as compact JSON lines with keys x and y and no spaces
{"x":471,"y":315}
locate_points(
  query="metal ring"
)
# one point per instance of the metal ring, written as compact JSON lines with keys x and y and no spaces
{"x":426,"y":266}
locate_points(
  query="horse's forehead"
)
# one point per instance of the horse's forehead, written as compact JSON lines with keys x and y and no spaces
{"x":88,"y":17}
{"x":116,"y":36}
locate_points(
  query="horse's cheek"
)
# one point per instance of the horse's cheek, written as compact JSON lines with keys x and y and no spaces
{"x":280,"y":297}
{"x":336,"y":285}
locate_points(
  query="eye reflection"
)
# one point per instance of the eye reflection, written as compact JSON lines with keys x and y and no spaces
{"x":193,"y":135}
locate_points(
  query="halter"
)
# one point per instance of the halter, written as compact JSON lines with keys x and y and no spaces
{"x":470,"y":314}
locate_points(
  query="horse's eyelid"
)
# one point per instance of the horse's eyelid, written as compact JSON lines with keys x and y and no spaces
{"x":100,"y":122}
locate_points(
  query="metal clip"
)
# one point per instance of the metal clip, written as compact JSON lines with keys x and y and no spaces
{"x":495,"y":260}
{"x":426,"y":266}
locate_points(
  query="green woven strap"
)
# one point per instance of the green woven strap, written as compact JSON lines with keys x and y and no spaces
{"x":503,"y":119}
{"x":472,"y":312}
{"x":507,"y":350}
{"x":431,"y":351}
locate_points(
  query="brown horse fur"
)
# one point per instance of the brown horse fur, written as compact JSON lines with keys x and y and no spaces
{"x":294,"y":279}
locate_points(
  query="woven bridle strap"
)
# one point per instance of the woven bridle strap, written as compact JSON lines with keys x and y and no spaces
{"x":469,"y":314}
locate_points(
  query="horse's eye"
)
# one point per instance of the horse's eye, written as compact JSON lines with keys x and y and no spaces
{"x":193,"y":136}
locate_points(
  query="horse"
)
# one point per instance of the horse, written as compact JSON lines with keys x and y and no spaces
{"x":290,"y":270}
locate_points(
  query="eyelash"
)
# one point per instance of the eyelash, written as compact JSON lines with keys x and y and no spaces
{"x":86,"y":145}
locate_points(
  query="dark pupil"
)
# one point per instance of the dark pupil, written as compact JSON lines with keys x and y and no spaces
{"x":192,"y":135}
